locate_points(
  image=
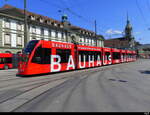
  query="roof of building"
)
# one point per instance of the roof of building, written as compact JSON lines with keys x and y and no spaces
{"x":144,"y":46}
{"x":120,"y":39}
{"x":8,"y":8}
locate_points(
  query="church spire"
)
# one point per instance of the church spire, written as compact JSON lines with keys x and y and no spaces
{"x":128,"y":22}
{"x":128,"y":29}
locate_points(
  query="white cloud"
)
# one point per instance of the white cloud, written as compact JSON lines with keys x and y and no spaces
{"x":137,"y":32}
{"x":109,"y":31}
{"x":117,"y":32}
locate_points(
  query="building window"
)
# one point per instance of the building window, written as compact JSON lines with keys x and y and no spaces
{"x":84,"y":41}
{"x":7,"y":24}
{"x":19,"y":27}
{"x":90,"y":41}
{"x":52,"y":23}
{"x":87,"y":40}
{"x":42,"y":31}
{"x":56,"y":35}
{"x":99,"y":43}
{"x":55,"y":24}
{"x":102,"y":44}
{"x":80,"y":41}
{"x":53,"y":33}
{"x":49,"y":33}
{"x":59,"y":35}
{"x":33,"y":38}
{"x":19,"y":40}
{"x":32,"y":17}
{"x":34,"y":29}
{"x":95,"y":42}
{"x":69,"y":34}
{"x":7,"y":39}
{"x":64,"y":35}
{"x":41,"y":20}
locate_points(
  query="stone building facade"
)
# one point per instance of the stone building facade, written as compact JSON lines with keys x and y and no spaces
{"x":39,"y":27}
{"x":125,"y":42}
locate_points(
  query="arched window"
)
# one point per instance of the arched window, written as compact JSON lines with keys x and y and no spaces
{"x":19,"y":52}
{"x":8,"y":52}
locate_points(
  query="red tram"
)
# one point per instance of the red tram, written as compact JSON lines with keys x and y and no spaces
{"x":5,"y":61}
{"x":88,"y":56}
{"x":41,"y":57}
{"x":116,"y":56}
{"x":129,"y":55}
{"x":134,"y":55}
{"x":123,"y":56}
{"x":107,"y":56}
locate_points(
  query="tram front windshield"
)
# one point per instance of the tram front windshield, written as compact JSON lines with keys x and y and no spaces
{"x":30,"y":46}
{"x":28,"y":50}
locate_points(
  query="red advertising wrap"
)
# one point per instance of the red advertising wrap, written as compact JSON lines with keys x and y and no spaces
{"x":40,"y":57}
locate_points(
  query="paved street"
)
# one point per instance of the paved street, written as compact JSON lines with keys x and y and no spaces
{"x":116,"y":88}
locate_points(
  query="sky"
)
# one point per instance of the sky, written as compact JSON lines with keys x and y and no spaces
{"x":110,"y":15}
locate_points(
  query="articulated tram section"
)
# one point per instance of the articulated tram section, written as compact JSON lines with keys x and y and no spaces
{"x":40,"y":57}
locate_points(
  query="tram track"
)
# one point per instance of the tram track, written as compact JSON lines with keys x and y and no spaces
{"x":72,"y":87}
{"x":35,"y":82}
{"x":45,"y":83}
{"x":28,"y":82}
{"x":33,"y":86}
{"x":81,"y":78}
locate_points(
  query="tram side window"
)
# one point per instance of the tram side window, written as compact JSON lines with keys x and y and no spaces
{"x":86,"y":55}
{"x":8,"y":60}
{"x":89,"y":53}
{"x":2,"y":61}
{"x":107,"y":54}
{"x":123,"y":55}
{"x":96,"y":54}
{"x":131,"y":55}
{"x":47,"y":56}
{"x":128,"y":55}
{"x":116,"y":55}
{"x":82,"y":54}
{"x":42,"y":56}
{"x":5,"y":60}
{"x":64,"y":54}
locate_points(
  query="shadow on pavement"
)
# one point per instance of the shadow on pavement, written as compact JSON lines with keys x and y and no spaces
{"x":145,"y":72}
